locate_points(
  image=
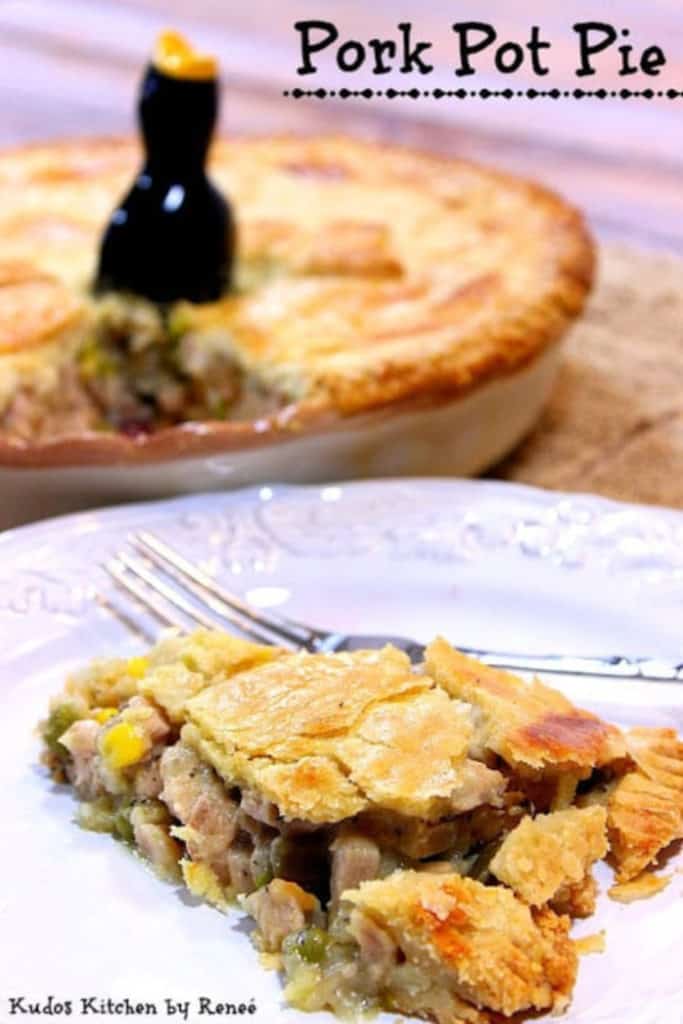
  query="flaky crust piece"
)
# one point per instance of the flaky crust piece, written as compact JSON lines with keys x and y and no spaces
{"x":327,"y":736}
{"x":531,"y":726}
{"x":481,"y":942}
{"x":645,"y":808}
{"x":551,"y":852}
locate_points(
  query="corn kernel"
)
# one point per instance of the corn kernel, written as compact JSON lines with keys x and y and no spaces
{"x":136,"y":667}
{"x":103,"y":715}
{"x":123,"y":745}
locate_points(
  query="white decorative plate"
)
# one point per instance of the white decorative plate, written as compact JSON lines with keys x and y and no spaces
{"x":487,"y":564}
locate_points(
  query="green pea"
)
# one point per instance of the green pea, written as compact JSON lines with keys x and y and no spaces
{"x":312,"y":944}
{"x":263,"y":878}
{"x":60,"y":719}
{"x":122,"y":827}
{"x":97,"y":816}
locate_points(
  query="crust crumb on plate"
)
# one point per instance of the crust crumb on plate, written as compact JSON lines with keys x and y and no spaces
{"x":589,"y":944}
{"x":640,"y":888}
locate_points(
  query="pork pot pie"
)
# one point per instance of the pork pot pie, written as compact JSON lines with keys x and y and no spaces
{"x":413,"y":839}
{"x":368,"y":277}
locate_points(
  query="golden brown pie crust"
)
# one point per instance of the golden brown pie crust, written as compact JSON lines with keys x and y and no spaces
{"x":403,"y":279}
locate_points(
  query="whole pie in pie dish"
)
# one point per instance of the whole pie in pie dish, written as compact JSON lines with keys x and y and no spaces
{"x":368,"y":278}
{"x":415,"y":839}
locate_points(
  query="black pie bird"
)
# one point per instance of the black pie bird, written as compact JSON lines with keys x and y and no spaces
{"x":172,"y":237}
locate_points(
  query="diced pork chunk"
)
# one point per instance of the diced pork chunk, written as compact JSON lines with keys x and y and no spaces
{"x":258,"y":807}
{"x":80,"y":739}
{"x":148,"y":718}
{"x":193,"y":793}
{"x":181,"y":776}
{"x":81,"y":742}
{"x":378,"y":949}
{"x":159,"y":848}
{"x":355,"y":859}
{"x":147,"y":783}
{"x":279,"y":909}
{"x":213,"y":818}
{"x":239,"y":864}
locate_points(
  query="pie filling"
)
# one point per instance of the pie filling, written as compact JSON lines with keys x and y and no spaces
{"x":354,"y":966}
{"x":130,"y":769}
{"x":146,"y":368}
{"x":380,"y":907}
{"x":229,"y":843}
{"x":136,"y":369}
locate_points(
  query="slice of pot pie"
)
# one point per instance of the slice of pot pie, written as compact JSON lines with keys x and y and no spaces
{"x":366,"y":275}
{"x":384,"y":836}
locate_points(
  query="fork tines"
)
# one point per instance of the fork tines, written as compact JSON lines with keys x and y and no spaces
{"x":181,"y":595}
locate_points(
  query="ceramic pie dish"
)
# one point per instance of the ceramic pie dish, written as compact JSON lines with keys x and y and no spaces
{"x":388,"y":304}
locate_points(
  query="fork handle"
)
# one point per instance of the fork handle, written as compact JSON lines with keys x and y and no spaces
{"x":651,"y":669}
{"x":615,"y":666}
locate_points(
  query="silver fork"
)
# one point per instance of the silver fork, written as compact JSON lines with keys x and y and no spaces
{"x":179,"y":591}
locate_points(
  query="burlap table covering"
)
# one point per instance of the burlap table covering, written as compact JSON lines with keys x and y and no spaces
{"x":614,"y":424}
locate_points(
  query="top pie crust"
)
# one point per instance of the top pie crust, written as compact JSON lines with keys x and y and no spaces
{"x":533,"y":727}
{"x":483,"y":941}
{"x":324,"y":737}
{"x":327,"y":736}
{"x":371,"y":275}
